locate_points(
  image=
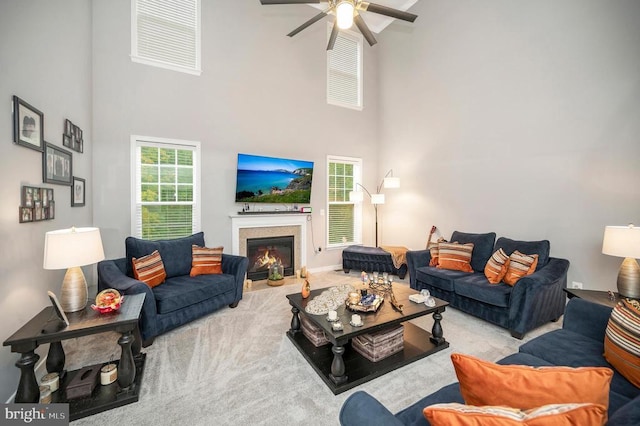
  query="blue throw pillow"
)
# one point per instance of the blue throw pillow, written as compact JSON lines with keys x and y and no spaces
{"x":482,"y":247}
{"x":541,"y":248}
{"x":175,"y":254}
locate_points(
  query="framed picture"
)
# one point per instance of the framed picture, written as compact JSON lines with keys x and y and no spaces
{"x":26,"y":214}
{"x":57,"y":308}
{"x":27,"y":196}
{"x":51,"y":210}
{"x":77,"y":192}
{"x":66,"y":141}
{"x":56,"y":165}
{"x":67,"y":127}
{"x":37,"y":211}
{"x":28,"y":125}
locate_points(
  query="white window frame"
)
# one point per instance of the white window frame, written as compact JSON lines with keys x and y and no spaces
{"x":357,"y":206}
{"x":136,"y":57}
{"x":356,"y":37}
{"x":136,"y":197}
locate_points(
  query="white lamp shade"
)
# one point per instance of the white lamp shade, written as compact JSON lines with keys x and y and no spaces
{"x":344,"y":14}
{"x":391,"y":182}
{"x":66,"y":248}
{"x":356,"y":196}
{"x":377,"y":198}
{"x":621,"y":241}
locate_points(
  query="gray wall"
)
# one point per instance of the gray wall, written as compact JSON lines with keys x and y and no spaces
{"x":260,"y":93}
{"x":521,"y":118}
{"x":45,"y":59}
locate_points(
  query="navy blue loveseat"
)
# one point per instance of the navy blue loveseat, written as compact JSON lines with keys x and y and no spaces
{"x":580,"y":343}
{"x":181,"y":298}
{"x":533,"y":301}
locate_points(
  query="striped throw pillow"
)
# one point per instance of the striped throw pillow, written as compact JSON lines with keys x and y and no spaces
{"x":149,"y":269}
{"x":496,"y":267}
{"x":434,"y":251}
{"x":552,"y":414}
{"x":455,"y":256}
{"x":520,"y":265}
{"x":205,"y":260}
{"x":622,"y":340}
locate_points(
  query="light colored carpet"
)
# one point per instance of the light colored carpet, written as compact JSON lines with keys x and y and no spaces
{"x":237,"y":367}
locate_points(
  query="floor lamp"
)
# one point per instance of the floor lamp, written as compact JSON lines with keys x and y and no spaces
{"x":388,"y":182}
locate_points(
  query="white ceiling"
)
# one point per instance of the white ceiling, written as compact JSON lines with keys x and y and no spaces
{"x":375,"y":22}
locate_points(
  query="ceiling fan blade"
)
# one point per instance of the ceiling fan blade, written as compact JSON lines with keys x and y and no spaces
{"x":387,"y":11}
{"x":334,"y":36}
{"x":364,"y":29}
{"x":267,"y":2}
{"x":311,"y":21}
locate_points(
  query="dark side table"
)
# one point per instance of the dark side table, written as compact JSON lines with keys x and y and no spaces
{"x":596,"y":296}
{"x":46,"y":327}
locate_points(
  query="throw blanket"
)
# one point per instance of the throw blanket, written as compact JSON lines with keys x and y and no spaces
{"x":398,"y":255}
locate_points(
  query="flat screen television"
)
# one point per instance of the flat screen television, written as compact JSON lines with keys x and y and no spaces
{"x":273,"y":180}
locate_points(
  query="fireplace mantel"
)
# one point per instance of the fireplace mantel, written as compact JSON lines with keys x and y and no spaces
{"x":266,"y":220}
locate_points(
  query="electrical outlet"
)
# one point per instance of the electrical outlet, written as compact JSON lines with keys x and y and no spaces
{"x":576,"y":284}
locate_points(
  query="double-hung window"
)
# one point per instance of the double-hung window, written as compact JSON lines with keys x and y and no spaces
{"x":345,"y":217}
{"x":165,"y":188}
{"x":344,"y":71}
{"x":166,"y":34}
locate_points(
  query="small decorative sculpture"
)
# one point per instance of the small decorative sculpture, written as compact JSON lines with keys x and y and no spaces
{"x":306,"y":289}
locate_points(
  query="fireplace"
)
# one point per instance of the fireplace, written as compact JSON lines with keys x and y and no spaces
{"x":263,"y":252}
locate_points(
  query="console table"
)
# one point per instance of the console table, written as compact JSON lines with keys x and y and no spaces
{"x":46,"y":327}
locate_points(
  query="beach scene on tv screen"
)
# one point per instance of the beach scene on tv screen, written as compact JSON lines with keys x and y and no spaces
{"x":273,"y":180}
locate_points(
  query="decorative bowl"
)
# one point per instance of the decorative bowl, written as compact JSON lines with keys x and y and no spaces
{"x":108,"y":300}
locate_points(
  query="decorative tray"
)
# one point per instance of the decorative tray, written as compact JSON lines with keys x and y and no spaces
{"x":371,"y":307}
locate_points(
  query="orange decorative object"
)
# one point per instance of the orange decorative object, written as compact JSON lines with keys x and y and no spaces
{"x":108,"y":300}
{"x":306,"y":289}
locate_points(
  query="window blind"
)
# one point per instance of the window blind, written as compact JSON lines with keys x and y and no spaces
{"x":166,"y":33}
{"x":166,"y":201}
{"x":344,"y":71}
{"x":343,"y":219}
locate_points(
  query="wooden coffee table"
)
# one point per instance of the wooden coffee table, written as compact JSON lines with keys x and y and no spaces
{"x":339,"y":365}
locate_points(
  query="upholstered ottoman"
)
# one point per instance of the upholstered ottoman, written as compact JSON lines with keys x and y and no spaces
{"x":370,"y":259}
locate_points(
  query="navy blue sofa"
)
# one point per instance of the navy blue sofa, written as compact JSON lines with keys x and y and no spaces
{"x":181,"y":298}
{"x":580,"y":343}
{"x":533,"y":301}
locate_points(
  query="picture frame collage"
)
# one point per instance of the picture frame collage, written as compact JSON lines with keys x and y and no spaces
{"x":57,"y":163}
{"x":72,"y":137}
{"x":37,"y":204}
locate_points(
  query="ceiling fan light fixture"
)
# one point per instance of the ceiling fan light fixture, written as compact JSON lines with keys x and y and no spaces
{"x":344,"y":14}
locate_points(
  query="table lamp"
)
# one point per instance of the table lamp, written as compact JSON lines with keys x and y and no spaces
{"x":624,"y":241}
{"x":71,"y":249}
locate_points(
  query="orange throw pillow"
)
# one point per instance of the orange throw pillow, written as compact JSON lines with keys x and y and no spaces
{"x":455,"y":256}
{"x":496,"y":267}
{"x":622,"y":340}
{"x":525,"y":387}
{"x":454,"y":414}
{"x":149,"y":269}
{"x":206,"y":260}
{"x":520,"y":265}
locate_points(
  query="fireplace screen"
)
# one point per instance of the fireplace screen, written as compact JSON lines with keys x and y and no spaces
{"x":263,"y":252}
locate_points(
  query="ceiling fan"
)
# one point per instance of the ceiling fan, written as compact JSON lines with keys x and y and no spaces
{"x":347,"y":13}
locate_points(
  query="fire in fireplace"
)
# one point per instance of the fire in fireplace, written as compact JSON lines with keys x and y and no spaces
{"x":263,"y":252}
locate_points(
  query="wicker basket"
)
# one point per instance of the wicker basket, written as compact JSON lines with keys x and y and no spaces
{"x":380,"y":344}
